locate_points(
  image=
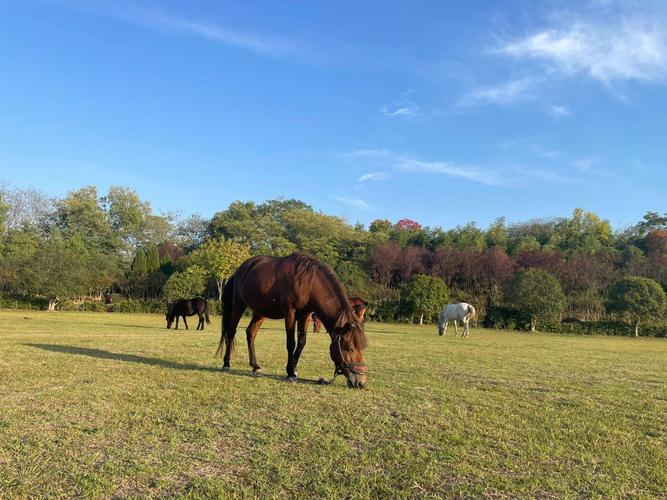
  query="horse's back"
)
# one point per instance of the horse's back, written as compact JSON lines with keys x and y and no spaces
{"x":456,"y":311}
{"x":267,"y":284}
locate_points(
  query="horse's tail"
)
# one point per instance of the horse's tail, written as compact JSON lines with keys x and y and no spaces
{"x":206,"y":309}
{"x":472,"y":314}
{"x":227,"y":337}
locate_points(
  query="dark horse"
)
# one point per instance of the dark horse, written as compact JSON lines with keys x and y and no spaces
{"x":292,"y":288}
{"x":188,"y":307}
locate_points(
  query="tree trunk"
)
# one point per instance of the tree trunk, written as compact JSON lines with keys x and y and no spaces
{"x":421,"y":319}
{"x":637,"y":329}
{"x":533,"y":324}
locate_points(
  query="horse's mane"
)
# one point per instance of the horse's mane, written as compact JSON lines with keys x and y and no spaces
{"x":306,"y":266}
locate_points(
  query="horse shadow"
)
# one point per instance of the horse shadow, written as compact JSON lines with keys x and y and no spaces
{"x":145,"y":360}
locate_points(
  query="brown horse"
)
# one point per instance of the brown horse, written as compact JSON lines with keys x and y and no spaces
{"x":188,"y":307}
{"x":292,"y":287}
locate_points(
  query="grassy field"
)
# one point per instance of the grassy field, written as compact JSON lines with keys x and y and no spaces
{"x":100,"y":404}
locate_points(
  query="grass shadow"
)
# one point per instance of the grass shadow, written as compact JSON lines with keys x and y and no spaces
{"x":145,"y":360}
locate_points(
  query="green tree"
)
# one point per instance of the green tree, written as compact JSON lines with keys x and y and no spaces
{"x":651,"y":222}
{"x":496,"y":235}
{"x":538,"y":293}
{"x":381,"y":226}
{"x":356,"y":280}
{"x":525,"y":243}
{"x":584,"y":232}
{"x":152,"y":258}
{"x":139,"y":265}
{"x":637,"y":299}
{"x":126,"y":213}
{"x":464,"y":237}
{"x":80,"y":213}
{"x":58,"y":269}
{"x":185,"y":284}
{"x":424,"y":295}
{"x":219,"y":258}
{"x":19,"y":247}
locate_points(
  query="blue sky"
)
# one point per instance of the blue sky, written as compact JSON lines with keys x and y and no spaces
{"x":443,"y":112}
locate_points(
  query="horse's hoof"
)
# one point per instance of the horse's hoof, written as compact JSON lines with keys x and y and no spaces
{"x":291,"y":379}
{"x":226,"y":368}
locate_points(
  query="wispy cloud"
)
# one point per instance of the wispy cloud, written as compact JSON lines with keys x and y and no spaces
{"x":501,"y":94}
{"x":353,"y":202}
{"x":159,"y":20}
{"x":559,"y":110}
{"x":258,"y":44}
{"x":550,"y":168}
{"x":627,"y":47}
{"x":401,"y":111}
{"x":404,"y":108}
{"x":373,"y":176}
{"x":406,"y":163}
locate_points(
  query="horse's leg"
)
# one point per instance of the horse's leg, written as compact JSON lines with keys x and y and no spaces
{"x":444,"y":331}
{"x":234,"y":318}
{"x":456,"y":328}
{"x":251,"y":333}
{"x":290,"y":324}
{"x":200,"y":326}
{"x":186,"y":323}
{"x":177,"y":318}
{"x":302,"y":329}
{"x":466,"y":328}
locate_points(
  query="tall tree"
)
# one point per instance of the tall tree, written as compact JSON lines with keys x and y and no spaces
{"x":126,"y":213}
{"x":185,"y":284}
{"x":637,"y":299}
{"x":538,"y":293}
{"x":219,"y":258}
{"x":425,"y":296}
{"x":58,"y":269}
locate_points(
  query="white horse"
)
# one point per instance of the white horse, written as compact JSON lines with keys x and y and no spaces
{"x":462,"y":312}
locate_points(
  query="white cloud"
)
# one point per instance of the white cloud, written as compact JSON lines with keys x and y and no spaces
{"x":510,"y":174}
{"x":502,"y":94}
{"x":158,"y":20}
{"x":373,"y":176}
{"x":624,"y":48}
{"x":400,"y":111}
{"x":404,"y":108}
{"x":559,"y":110}
{"x":353,"y":202}
{"x":255,"y":43}
{"x":407,"y":163}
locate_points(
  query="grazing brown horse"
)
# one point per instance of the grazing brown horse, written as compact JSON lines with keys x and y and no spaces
{"x":358,"y":306}
{"x":188,"y":307}
{"x":292,"y":288}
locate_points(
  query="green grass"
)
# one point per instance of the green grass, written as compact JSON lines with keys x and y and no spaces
{"x":99,"y":404}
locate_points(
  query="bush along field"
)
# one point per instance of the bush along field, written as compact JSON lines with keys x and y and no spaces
{"x":116,"y":405}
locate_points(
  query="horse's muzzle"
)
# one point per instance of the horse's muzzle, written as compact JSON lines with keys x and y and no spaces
{"x":356,"y":381}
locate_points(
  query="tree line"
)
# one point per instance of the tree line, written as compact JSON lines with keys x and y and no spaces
{"x":85,"y":245}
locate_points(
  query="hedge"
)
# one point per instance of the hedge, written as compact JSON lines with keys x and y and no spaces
{"x":509,"y":318}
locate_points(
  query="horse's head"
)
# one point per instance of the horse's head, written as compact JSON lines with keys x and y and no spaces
{"x":346,"y":349}
{"x":170,"y":320}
